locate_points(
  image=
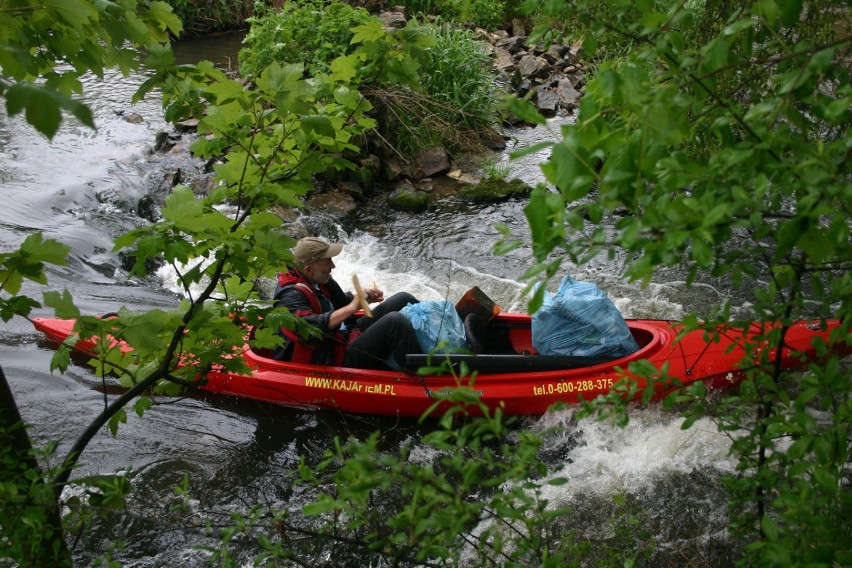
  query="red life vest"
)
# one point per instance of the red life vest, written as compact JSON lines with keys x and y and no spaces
{"x":303,"y":350}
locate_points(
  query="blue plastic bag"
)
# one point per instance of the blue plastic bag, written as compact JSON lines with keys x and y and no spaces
{"x":436,"y":321}
{"x":581,"y":321}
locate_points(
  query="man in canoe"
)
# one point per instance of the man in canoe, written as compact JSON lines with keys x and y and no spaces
{"x":380,"y":340}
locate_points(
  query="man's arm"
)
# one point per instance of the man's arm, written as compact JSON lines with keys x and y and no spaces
{"x":340,"y":315}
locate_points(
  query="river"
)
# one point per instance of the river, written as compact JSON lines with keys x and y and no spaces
{"x":81,"y":189}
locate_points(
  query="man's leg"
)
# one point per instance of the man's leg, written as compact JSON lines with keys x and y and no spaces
{"x":392,"y":304}
{"x":388,"y":340}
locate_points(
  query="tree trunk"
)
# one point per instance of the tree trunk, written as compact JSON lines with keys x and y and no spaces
{"x":26,"y":496}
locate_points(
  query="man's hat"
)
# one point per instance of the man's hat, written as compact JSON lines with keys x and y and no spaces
{"x":311,"y":249}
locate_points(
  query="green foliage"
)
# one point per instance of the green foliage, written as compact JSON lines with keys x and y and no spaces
{"x":27,"y":263}
{"x":488,"y":14}
{"x":71,"y":38}
{"x":458,"y":74}
{"x":454,"y":102}
{"x":426,"y":509}
{"x":205,"y":16}
{"x":473,"y":493}
{"x":723,"y":136}
{"x":310,"y":32}
{"x":26,"y":501}
{"x":421,"y":7}
{"x":495,"y":170}
{"x":719,"y":143}
{"x":433,"y":85}
{"x":267,"y":142}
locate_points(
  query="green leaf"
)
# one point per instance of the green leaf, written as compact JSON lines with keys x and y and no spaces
{"x":163,"y":14}
{"x":189,"y":213}
{"x":323,"y":504}
{"x":43,"y":107}
{"x":319,"y":125}
{"x":142,"y":404}
{"x":120,"y":417}
{"x":63,"y":304}
{"x":652,"y":21}
{"x":702,"y":253}
{"x":767,"y":9}
{"x":61,"y":359}
{"x":738,"y":26}
{"x":16,"y":306}
{"x":76,"y":13}
{"x":50,"y":251}
{"x":524,"y":110}
{"x":28,"y":262}
{"x":790,"y":11}
{"x":530,"y":150}
{"x":715,"y":55}
{"x":768,"y":527}
{"x":141,"y":331}
{"x":344,"y":68}
{"x":371,"y":31}
{"x":570,"y":167}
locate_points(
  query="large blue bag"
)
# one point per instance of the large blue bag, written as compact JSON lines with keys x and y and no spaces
{"x":580,"y":321}
{"x":434,"y":322}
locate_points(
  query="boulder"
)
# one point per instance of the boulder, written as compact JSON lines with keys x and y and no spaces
{"x":430,"y":162}
{"x":494,"y":190}
{"x":513,"y":45}
{"x":334,"y":202}
{"x":392,"y":169}
{"x":533,"y":66}
{"x":393,"y":18}
{"x":555,"y":54}
{"x":406,"y":198}
{"x":504,"y":63}
{"x":547,"y":101}
{"x":567,"y":94}
{"x":351,"y":188}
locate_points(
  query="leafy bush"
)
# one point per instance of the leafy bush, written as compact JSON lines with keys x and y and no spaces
{"x":311,"y":32}
{"x":489,"y":14}
{"x":433,"y":85}
{"x":200,"y":17}
{"x":720,"y":143}
{"x":456,"y":99}
{"x":478,"y":496}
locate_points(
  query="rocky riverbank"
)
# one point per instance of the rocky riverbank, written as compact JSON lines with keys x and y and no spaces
{"x":551,"y":77}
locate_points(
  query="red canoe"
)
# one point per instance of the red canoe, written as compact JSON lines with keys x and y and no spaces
{"x":519,"y":383}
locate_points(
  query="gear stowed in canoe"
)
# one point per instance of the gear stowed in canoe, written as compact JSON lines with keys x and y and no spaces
{"x":509,"y":373}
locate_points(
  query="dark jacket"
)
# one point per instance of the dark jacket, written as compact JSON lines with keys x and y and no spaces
{"x":327,"y":297}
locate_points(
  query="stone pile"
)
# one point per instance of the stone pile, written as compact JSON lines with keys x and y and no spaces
{"x":551,"y":77}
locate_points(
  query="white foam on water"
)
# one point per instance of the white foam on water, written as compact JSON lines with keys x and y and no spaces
{"x":610,"y":460}
{"x":374,"y":260}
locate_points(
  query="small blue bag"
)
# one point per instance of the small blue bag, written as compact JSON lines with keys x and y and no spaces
{"x":436,"y":321}
{"x":581,"y":321}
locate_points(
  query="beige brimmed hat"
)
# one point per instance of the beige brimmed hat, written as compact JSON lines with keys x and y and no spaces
{"x":311,"y":249}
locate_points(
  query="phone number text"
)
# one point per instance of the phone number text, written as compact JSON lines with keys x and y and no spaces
{"x":572,"y":387}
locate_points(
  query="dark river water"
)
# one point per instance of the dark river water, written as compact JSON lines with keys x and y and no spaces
{"x":82,"y":188}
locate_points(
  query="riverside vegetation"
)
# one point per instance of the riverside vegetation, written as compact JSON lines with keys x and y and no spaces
{"x":718,"y":134}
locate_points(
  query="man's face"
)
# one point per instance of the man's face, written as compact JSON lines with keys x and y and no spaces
{"x":319,"y":271}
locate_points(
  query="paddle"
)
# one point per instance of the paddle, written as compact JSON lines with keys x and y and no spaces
{"x":362,"y":298}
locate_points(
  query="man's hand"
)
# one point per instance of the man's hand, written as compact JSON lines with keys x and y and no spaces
{"x":374,"y":295}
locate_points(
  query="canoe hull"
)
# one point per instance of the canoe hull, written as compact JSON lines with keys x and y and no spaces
{"x":694,"y":358}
